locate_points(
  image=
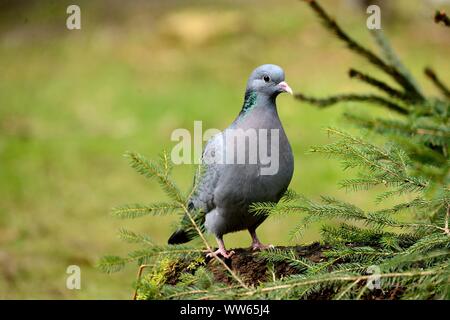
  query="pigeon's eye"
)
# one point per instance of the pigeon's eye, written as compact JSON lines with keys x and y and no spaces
{"x":266,"y":78}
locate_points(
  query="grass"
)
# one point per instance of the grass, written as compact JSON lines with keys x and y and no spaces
{"x":72,"y":102}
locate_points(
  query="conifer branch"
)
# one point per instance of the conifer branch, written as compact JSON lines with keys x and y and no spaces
{"x":437,"y":82}
{"x":151,"y":170}
{"x":349,"y":141}
{"x":364,"y":52}
{"x":194,"y":292}
{"x":351,"y":285}
{"x":379,"y":85}
{"x":345,"y":278}
{"x":131,"y":237}
{"x":368,"y":98}
{"x":391,"y":56}
{"x":138,"y":210}
{"x":111,"y":264}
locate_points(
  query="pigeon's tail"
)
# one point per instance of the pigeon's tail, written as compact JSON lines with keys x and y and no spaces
{"x":180,"y":236}
{"x":186,"y":232}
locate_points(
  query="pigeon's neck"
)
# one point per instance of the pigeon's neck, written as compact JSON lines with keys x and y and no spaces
{"x":254,"y":99}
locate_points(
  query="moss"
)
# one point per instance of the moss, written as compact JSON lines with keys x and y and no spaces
{"x":169,"y":270}
{"x":149,"y":286}
{"x":194,"y":264}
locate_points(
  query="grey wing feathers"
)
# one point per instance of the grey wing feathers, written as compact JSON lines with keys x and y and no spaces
{"x":207,"y":178}
{"x":202,"y":199}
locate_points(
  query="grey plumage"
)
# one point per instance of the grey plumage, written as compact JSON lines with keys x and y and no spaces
{"x":226,"y":190}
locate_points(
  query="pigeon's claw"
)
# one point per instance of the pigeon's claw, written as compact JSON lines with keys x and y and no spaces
{"x":224,"y":253}
{"x":256,"y":244}
{"x":221,"y":251}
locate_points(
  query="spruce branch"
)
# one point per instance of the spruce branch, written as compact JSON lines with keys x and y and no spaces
{"x":437,"y":82}
{"x":428,"y":243}
{"x":200,"y":291}
{"x":138,"y":210}
{"x":132,"y":237}
{"x":391,"y":56}
{"x":364,"y":52}
{"x":152,"y":170}
{"x":166,"y":163}
{"x":350,"y":286}
{"x":277,"y":255}
{"x":370,"y":156}
{"x":111,"y":264}
{"x":368,"y":98}
{"x":379,"y":85}
{"x":345,"y":278}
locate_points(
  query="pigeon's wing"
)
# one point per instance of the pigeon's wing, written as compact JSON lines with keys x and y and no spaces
{"x":207,"y":176}
{"x":202,"y":199}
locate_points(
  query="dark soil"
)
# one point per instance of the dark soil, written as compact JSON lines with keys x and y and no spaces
{"x":251,"y":268}
{"x":254,"y":270}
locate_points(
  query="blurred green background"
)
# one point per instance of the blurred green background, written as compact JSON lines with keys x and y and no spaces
{"x":72,"y":102}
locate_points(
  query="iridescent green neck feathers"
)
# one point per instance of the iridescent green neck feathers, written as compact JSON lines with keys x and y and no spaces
{"x":249,"y":102}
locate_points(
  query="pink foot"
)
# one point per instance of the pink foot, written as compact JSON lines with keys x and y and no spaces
{"x":224,"y":253}
{"x":256,"y":244}
{"x":260,"y":246}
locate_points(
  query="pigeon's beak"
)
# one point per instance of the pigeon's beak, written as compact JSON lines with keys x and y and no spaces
{"x":284,"y":87}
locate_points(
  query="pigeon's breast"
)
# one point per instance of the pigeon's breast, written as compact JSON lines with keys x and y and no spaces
{"x":251,"y":161}
{"x":258,"y":167}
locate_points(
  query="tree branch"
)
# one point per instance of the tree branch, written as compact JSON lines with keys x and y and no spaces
{"x":346,"y":278}
{"x":329,"y":101}
{"x":409,"y":87}
{"x":437,"y":82}
{"x":378,"y":84}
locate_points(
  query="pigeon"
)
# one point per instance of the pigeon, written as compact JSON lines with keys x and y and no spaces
{"x":225,"y":189}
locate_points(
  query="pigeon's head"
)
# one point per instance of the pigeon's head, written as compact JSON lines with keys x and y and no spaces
{"x":268,"y":79}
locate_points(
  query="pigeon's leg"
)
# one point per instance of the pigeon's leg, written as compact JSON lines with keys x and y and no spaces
{"x":222,"y":251}
{"x":256,"y":244}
